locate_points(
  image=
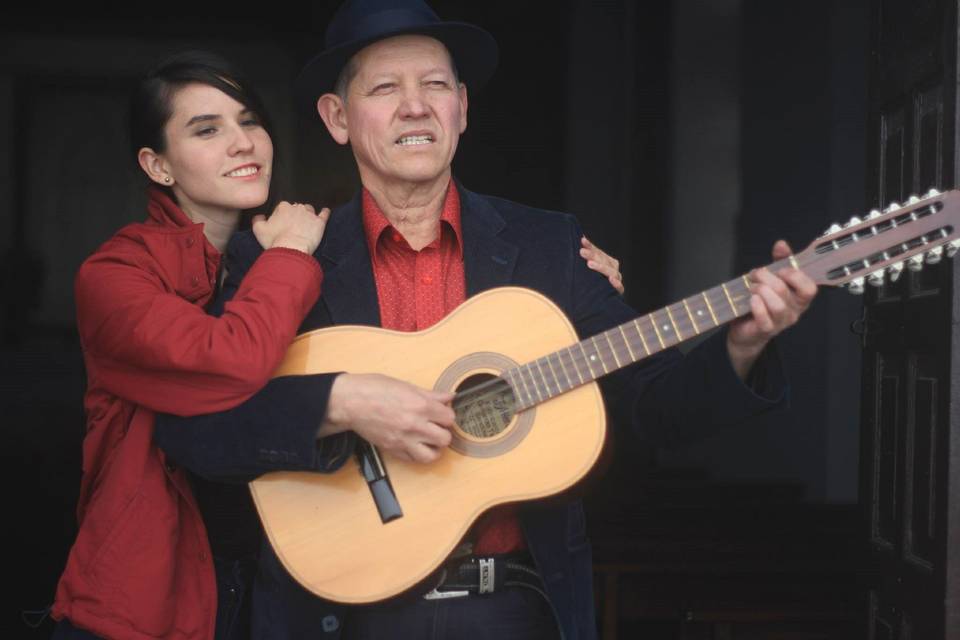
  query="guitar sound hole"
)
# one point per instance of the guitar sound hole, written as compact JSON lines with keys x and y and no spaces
{"x":484,"y":405}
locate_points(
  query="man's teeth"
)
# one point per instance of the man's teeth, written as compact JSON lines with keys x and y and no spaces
{"x":243,"y":171}
{"x":415,"y":140}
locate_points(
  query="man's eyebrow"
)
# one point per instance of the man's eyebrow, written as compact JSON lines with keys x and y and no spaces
{"x":201,"y":118}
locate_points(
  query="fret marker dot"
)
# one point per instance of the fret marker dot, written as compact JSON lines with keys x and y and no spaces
{"x":699,"y":312}
{"x":593,"y":358}
{"x":666,"y":328}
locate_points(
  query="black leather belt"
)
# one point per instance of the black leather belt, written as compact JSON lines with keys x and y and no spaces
{"x":480,"y":576}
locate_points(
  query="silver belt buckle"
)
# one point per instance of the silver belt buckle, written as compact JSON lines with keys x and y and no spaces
{"x":486,"y":575}
{"x":433,"y":594}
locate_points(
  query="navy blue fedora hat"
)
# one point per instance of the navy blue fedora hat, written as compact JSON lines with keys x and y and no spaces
{"x":358,"y":23}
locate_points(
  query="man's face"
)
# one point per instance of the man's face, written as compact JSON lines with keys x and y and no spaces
{"x":405,"y":111}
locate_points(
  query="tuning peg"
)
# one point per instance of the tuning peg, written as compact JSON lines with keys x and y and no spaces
{"x":934,"y":255}
{"x":833,"y":229}
{"x":932,"y":193}
{"x":952,"y":247}
{"x":876,"y":278}
{"x":873,"y":214}
{"x":895,"y":270}
{"x":893,"y":206}
{"x":853,"y":221}
{"x":855,"y":286}
{"x":915,"y":263}
{"x":912,"y":200}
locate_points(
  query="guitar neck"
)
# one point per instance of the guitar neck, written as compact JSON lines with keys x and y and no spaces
{"x":558,"y":372}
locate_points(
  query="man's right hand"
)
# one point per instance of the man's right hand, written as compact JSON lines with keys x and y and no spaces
{"x":291,"y":225}
{"x":411,"y":423}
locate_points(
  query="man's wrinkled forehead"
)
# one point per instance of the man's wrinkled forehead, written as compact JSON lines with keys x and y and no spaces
{"x":401,"y":51}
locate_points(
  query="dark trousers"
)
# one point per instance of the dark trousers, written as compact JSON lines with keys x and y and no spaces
{"x":513,"y":613}
{"x":66,"y":631}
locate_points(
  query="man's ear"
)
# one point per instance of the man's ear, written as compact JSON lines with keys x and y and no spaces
{"x":155,"y":167}
{"x":334,"y":114}
{"x":462,"y":89}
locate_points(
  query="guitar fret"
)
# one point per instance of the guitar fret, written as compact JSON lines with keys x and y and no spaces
{"x":729,"y":299}
{"x":710,"y":308}
{"x":599,"y":355}
{"x":521,"y":387}
{"x":693,"y":322}
{"x":656,"y":331}
{"x":573,"y":363}
{"x":553,"y":372}
{"x":746,"y":282}
{"x":523,"y":384}
{"x":533,"y":383}
{"x":563,"y":368}
{"x":633,"y":356}
{"x":546,"y":383}
{"x":586,"y":359}
{"x":606,"y":334}
{"x":636,"y":323}
{"x":675,"y":329}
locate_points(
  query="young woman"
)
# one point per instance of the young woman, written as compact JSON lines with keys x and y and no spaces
{"x":141,"y":565}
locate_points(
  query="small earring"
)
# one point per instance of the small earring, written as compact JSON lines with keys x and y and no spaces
{"x":167,"y":179}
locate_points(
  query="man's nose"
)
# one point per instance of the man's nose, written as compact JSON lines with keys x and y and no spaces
{"x":412,"y":103}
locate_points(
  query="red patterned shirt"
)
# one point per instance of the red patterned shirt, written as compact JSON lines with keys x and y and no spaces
{"x":416,"y":289}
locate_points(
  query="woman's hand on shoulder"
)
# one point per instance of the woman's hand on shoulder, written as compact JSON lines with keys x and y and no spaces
{"x":292,"y":225}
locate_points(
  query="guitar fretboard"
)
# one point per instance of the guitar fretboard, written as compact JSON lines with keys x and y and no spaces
{"x":587,"y":360}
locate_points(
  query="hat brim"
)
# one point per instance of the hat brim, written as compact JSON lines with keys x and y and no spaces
{"x":474,"y":52}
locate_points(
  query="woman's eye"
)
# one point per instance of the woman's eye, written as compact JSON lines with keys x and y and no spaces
{"x":206,"y":131}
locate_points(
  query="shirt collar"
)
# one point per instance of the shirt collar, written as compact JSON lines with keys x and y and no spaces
{"x":375,"y":223}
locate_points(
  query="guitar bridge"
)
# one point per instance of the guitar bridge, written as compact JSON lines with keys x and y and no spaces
{"x":378,"y":481}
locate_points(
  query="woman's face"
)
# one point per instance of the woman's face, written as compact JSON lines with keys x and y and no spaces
{"x":218,"y":155}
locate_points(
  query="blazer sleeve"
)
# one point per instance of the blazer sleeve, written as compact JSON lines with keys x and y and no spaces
{"x":273,"y":430}
{"x":670,"y":398}
{"x":160,"y":351}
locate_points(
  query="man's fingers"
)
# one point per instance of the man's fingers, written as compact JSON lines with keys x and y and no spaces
{"x":803,"y":285}
{"x":781,"y":250}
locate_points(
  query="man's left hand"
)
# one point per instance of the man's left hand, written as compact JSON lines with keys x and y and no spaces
{"x":778,"y":301}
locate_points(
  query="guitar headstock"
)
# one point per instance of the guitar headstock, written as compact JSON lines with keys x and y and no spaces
{"x":882,"y":244}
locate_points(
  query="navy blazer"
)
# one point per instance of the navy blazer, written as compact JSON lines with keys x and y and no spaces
{"x":668,"y":398}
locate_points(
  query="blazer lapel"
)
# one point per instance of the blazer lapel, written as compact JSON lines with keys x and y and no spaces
{"x":488,"y":260}
{"x":349,"y":291}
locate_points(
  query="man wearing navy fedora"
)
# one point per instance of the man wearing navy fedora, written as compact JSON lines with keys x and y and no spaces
{"x":393,"y":83}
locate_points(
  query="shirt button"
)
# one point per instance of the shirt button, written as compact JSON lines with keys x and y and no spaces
{"x":396,"y":236}
{"x":330,"y":623}
{"x":189,"y":242}
{"x":195,"y":280}
{"x":203,"y":556}
{"x":426,"y":280}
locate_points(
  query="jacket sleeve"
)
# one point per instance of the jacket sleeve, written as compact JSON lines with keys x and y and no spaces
{"x":670,"y":398}
{"x":274,"y":430}
{"x":165,"y":353}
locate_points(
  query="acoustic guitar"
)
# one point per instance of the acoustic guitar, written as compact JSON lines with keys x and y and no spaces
{"x":529,"y":418}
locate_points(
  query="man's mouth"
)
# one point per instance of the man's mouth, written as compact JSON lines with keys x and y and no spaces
{"x":415,"y":139}
{"x":244,"y":171}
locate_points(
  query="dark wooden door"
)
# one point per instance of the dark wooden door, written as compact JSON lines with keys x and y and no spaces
{"x":910,"y":453}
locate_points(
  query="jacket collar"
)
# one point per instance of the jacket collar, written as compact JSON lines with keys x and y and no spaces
{"x":349,"y":289}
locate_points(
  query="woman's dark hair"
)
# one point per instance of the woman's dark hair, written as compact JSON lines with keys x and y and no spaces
{"x":152,"y":102}
{"x":151,"y":105}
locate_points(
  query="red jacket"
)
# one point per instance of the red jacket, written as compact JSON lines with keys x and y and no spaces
{"x":141,"y":567}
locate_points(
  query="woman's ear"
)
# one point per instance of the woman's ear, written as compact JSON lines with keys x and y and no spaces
{"x":155,"y":167}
